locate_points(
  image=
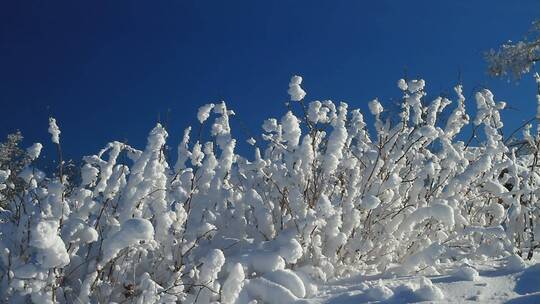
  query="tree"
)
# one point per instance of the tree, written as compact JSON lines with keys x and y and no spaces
{"x":12,"y":160}
{"x":515,"y":59}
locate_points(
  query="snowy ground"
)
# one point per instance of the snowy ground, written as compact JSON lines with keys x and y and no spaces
{"x":496,"y":283}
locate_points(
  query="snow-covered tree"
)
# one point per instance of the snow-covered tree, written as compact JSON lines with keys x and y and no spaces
{"x":516,"y":58}
{"x":13,"y":159}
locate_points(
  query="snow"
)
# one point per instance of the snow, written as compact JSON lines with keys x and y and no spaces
{"x":51,"y":249}
{"x":537,"y":79}
{"x":495,"y":284}
{"x":197,"y":155}
{"x":269,"y":292}
{"x":267,"y":262}
{"x":442,"y":212}
{"x":288,"y":279}
{"x":27,"y":271}
{"x":131,"y":232}
{"x":379,"y":293}
{"x":429,"y":292}
{"x":212,"y":264}
{"x":402,"y":84}
{"x":295,"y":91}
{"x":375,"y":107}
{"x":370,"y":202}
{"x":336,"y":142}
{"x":515,"y":262}
{"x":76,"y":230}
{"x":466,"y":273}
{"x":54,"y":131}
{"x":315,"y":113}
{"x":4,"y":174}
{"x":204,"y":112}
{"x":290,"y":250}
{"x":89,"y":174}
{"x":150,"y":291}
{"x":34,"y":150}
{"x":233,"y":285}
{"x":416,"y":85}
{"x":291,"y":129}
{"x":270,"y":125}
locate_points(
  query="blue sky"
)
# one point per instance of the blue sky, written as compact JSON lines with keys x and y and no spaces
{"x":107,"y":70}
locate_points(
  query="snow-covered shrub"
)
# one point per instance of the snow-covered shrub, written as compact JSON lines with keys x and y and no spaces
{"x":323,"y":195}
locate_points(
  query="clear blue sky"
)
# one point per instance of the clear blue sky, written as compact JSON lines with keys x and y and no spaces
{"x":105,"y":69}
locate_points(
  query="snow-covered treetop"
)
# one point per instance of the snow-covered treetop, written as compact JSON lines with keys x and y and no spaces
{"x":516,"y":58}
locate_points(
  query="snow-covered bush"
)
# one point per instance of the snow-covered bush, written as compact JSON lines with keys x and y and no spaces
{"x":322,"y":196}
